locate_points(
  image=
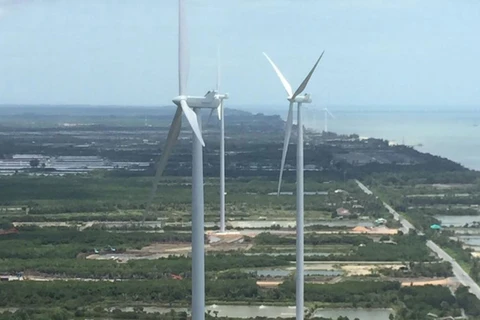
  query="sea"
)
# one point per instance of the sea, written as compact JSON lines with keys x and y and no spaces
{"x":449,"y":132}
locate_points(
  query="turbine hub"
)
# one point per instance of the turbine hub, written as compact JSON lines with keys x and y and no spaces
{"x":221,"y":96}
{"x":177,"y":99}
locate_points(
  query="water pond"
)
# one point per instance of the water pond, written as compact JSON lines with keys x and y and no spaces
{"x":471,"y":240}
{"x":284,"y":273}
{"x":245,"y":312}
{"x":276,"y":254}
{"x":249,"y":224}
{"x":457,"y":221}
{"x":362,"y":314}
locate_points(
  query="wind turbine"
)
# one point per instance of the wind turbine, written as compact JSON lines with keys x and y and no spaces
{"x":220,"y":113}
{"x":221,"y":117}
{"x":294,"y":97}
{"x":327,"y":113}
{"x":190,"y":106}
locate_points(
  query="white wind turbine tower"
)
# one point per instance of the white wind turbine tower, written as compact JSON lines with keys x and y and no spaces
{"x":220,"y":113}
{"x":190,"y":106}
{"x":327,"y":114}
{"x":294,"y":97}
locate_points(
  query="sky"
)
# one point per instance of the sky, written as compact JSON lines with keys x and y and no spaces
{"x":111,"y":52}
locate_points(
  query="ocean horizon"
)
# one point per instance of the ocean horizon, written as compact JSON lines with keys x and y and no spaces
{"x":449,"y":132}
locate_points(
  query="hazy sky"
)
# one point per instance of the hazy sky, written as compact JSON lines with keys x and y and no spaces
{"x":391,"y":52}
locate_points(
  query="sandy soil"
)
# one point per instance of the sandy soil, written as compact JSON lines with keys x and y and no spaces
{"x":269,"y":284}
{"x":436,"y":282}
{"x":319,"y":266}
{"x":364,"y":270}
{"x":374,"y":230}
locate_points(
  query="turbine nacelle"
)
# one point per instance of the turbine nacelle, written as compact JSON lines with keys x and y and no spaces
{"x":209,"y":101}
{"x":306,"y":98}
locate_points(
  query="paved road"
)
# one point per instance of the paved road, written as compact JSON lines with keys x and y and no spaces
{"x":363,"y":187}
{"x":406,"y":226}
{"x":459,"y":273}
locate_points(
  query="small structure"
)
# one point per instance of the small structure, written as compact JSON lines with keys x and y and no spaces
{"x":389,"y":242}
{"x":342,"y":212}
{"x":380,"y":221}
{"x":435,"y":227}
{"x":176,"y":276}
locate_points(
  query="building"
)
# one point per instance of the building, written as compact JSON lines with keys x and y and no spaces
{"x":342,"y":212}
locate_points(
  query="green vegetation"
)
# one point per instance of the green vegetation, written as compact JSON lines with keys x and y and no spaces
{"x":448,"y":211}
{"x":456,"y":192}
{"x":63,"y":242}
{"x":61,"y":251}
{"x":68,"y":296}
{"x":104,"y":196}
{"x":427,"y":299}
{"x":406,"y":248}
{"x":120,"y":195}
{"x":433,"y":269}
{"x":134,"y":269}
{"x":468,"y":301}
{"x":311,"y":239}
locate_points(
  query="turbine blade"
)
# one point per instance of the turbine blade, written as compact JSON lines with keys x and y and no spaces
{"x":307,"y":79}
{"x":284,"y":81}
{"x":183,"y":63}
{"x":192,"y":120}
{"x":218,"y":69}
{"x":331,"y":115}
{"x":288,"y":131}
{"x":162,"y":162}
{"x":220,"y":110}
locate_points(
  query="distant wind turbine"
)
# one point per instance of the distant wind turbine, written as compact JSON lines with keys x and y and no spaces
{"x":220,"y":113}
{"x":294,"y":97}
{"x":190,"y":106}
{"x":327,"y":113}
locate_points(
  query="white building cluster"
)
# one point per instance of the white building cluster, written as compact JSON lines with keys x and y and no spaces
{"x":64,"y":164}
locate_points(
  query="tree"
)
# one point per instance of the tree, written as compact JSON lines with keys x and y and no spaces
{"x":34,"y":163}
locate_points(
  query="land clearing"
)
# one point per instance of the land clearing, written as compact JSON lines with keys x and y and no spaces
{"x":269,"y":284}
{"x":365,"y":270}
{"x":446,"y":282}
{"x":219,"y":243}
